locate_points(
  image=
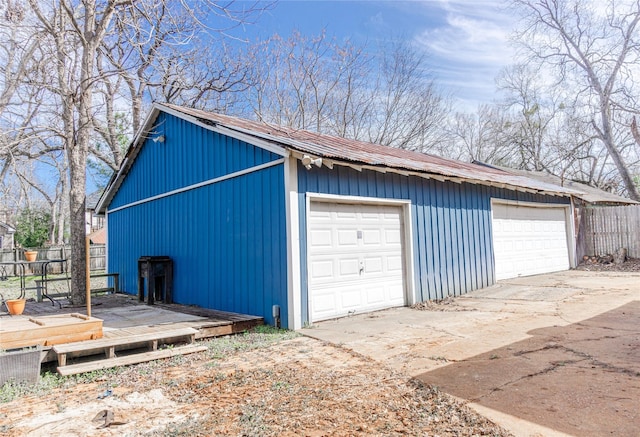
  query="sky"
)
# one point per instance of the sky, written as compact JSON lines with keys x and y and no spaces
{"x":466,"y":41}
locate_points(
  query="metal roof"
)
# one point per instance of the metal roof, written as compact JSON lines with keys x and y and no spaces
{"x":587,"y":193}
{"x":334,"y":151}
{"x":363,"y":153}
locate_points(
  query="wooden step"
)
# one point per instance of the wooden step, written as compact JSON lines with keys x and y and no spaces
{"x":74,"y":369}
{"x":107,"y":346}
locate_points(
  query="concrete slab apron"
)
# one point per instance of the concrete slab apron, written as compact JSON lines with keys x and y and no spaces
{"x":505,"y":324}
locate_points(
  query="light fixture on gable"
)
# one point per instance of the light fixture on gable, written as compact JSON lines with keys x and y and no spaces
{"x":158,"y":139}
{"x":307,"y":161}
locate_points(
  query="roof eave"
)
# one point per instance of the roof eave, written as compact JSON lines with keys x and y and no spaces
{"x":116,"y":180}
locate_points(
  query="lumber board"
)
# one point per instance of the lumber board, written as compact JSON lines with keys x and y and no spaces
{"x":74,"y":369}
{"x":47,"y":330}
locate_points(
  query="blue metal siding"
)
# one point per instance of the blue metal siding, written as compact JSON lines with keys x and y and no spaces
{"x":452,"y":242}
{"x":227,"y":240}
{"x":189,"y":154}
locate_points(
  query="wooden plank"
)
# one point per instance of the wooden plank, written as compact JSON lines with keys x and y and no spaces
{"x":215,"y":331}
{"x":74,"y":369}
{"x":51,"y":340}
{"x":134,"y":339}
{"x":48,"y":331}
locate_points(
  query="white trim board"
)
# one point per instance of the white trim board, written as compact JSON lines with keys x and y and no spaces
{"x":200,"y":184}
{"x":294,"y":288}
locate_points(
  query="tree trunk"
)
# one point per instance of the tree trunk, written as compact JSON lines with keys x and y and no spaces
{"x":78,"y":159}
{"x":606,"y":136}
{"x":78,"y":153}
{"x":62,"y":210}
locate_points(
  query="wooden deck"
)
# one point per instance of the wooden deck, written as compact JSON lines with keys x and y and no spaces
{"x":125,"y":321}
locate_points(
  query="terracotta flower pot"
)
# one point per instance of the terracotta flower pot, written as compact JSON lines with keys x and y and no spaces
{"x":31,"y":255}
{"x":15,"y":306}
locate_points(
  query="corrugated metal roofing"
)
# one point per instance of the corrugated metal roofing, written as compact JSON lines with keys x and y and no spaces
{"x":587,"y":193}
{"x":339,"y":150}
{"x":359,"y":152}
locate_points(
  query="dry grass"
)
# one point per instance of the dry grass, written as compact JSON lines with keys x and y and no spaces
{"x":260,"y":384}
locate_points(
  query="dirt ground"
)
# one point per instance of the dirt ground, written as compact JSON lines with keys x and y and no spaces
{"x":248,"y":385}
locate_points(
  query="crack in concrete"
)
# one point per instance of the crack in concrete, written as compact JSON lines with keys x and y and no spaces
{"x":544,"y":371}
{"x":554,"y":365}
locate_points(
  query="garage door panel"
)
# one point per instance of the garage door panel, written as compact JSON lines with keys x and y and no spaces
{"x":392,"y":237}
{"x":371,"y":237}
{"x":529,"y":240}
{"x":366,"y":255}
{"x":394,"y":264}
{"x":396,"y":294}
{"x":373,"y":265}
{"x":321,"y":238}
{"x":375,"y":296}
{"x":351,"y":298}
{"x":348,"y":237}
{"x":322,"y":269}
{"x":349,"y":267}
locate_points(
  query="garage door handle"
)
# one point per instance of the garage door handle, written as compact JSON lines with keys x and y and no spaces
{"x":361,"y":268}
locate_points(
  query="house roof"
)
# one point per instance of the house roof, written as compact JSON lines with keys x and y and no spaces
{"x":9,"y":228}
{"x":98,"y":237}
{"x":587,"y":193}
{"x":93,"y":199}
{"x":333,"y":151}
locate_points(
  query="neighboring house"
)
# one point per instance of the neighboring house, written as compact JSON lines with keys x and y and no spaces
{"x":256,"y":216}
{"x":98,"y":237}
{"x":6,"y":236}
{"x":93,"y":221}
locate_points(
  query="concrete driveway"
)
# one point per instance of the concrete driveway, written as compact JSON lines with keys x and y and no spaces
{"x":544,"y":355}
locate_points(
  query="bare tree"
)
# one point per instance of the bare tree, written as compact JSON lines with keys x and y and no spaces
{"x":596,"y":48}
{"x":481,"y":136}
{"x":79,"y":64}
{"x":341,"y":89}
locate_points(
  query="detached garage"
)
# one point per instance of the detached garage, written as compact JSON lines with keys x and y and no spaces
{"x":267,"y":220}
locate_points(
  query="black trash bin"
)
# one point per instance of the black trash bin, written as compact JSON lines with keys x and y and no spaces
{"x":158,"y":272}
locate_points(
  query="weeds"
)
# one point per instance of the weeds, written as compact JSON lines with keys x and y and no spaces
{"x":252,"y":421}
{"x":259,"y":337}
{"x":49,"y":381}
{"x":189,"y":427}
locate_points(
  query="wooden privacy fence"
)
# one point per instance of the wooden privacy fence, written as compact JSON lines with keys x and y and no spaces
{"x":97,"y":254}
{"x":605,"y":229}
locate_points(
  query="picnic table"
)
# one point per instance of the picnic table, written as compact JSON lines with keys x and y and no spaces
{"x":37,"y":268}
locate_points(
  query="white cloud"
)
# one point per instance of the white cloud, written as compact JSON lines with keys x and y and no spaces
{"x":468,"y":47}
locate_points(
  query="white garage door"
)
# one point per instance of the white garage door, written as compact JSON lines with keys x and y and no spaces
{"x":355,"y":259}
{"x":529,"y":240}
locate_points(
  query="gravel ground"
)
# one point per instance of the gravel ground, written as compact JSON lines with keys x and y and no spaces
{"x":250,"y":385}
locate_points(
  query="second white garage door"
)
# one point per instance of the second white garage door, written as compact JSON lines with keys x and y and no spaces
{"x":355,"y":259}
{"x":529,"y":240}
